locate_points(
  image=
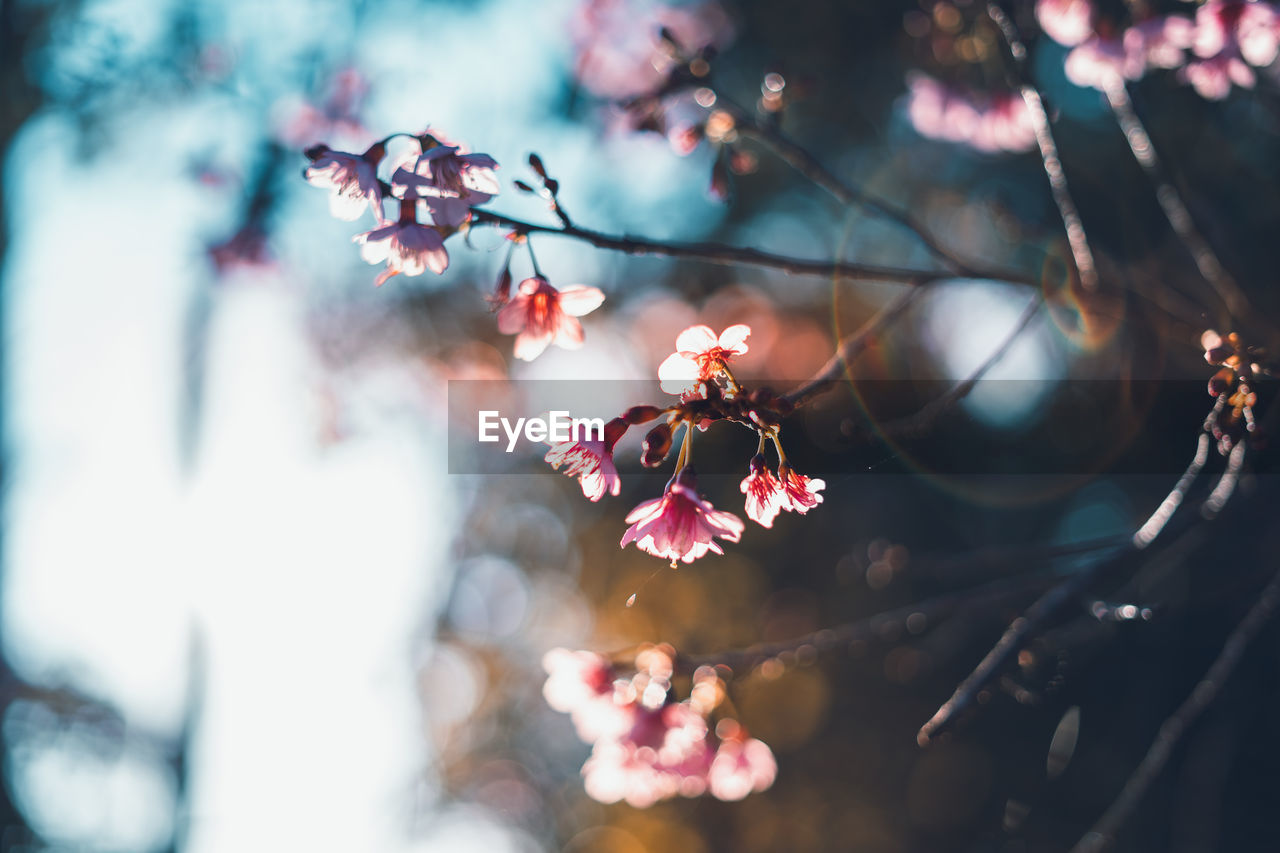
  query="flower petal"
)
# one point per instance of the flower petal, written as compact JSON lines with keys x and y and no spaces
{"x":734,"y":338}
{"x":578,"y":300}
{"x":696,"y":339}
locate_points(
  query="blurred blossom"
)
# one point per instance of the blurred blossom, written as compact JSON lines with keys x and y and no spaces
{"x":620,"y":53}
{"x":1068,"y":22}
{"x":490,"y":599}
{"x":990,"y":123}
{"x":338,"y":115}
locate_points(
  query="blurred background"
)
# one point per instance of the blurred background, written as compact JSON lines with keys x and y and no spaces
{"x":249,"y":603}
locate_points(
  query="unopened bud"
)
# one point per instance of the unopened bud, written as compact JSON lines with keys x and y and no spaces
{"x":657,"y":444}
{"x":535,"y":163}
{"x":614,"y":430}
{"x":641,"y":414}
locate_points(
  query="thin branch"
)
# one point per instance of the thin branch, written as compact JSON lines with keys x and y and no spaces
{"x":1172,"y":730}
{"x":799,"y":158}
{"x":851,"y":347}
{"x":923,"y":419}
{"x":1067,"y":211}
{"x":720,"y":253}
{"x":1175,"y":210}
{"x":1052,"y":602}
{"x":870,"y":627}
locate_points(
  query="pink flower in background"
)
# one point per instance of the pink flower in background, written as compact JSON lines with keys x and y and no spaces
{"x":741,"y":764}
{"x":353,"y":179}
{"x":664,"y":753}
{"x":591,"y":461}
{"x":1068,"y":22}
{"x":1250,"y":30}
{"x":406,"y":246}
{"x":765,"y":495}
{"x":580,"y":684}
{"x":541,"y":315}
{"x":802,"y":492}
{"x":1212,"y":78}
{"x":680,"y":525}
{"x":1159,"y":42}
{"x":998,"y":122}
{"x":699,"y":354}
{"x":1098,"y":63}
{"x":620,"y":52}
{"x":448,"y":181}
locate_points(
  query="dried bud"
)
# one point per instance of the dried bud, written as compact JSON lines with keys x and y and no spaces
{"x":1220,"y":382}
{"x":641,"y":414}
{"x":614,"y":430}
{"x":502,"y":292}
{"x":657,"y":444}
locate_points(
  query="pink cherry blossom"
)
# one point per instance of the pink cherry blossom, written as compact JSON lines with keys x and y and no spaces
{"x":664,"y":753}
{"x":1068,"y":22}
{"x":448,"y":181}
{"x":619,"y":52}
{"x":801,"y":492}
{"x":541,"y":315}
{"x":352,"y":178}
{"x":741,"y":765}
{"x":765,"y":495}
{"x":591,"y":461}
{"x":681,"y":525}
{"x":581,"y":684}
{"x":1250,"y":30}
{"x":699,"y":355}
{"x":1098,"y":63}
{"x":994,"y":123}
{"x":1212,"y":78}
{"x":1159,"y":42}
{"x":406,"y":246}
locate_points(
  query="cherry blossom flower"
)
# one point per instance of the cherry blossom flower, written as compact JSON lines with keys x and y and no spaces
{"x":681,"y":525}
{"x":352,"y":178}
{"x":664,"y":753}
{"x":999,"y":122}
{"x":619,"y":50}
{"x":406,"y":246}
{"x":1212,"y":78}
{"x":1098,"y":63}
{"x":1068,"y":22}
{"x":591,"y":461}
{"x":1249,"y":29}
{"x":580,"y":684}
{"x":801,"y":491}
{"x":1159,"y":42}
{"x":699,"y":356}
{"x":541,"y":315}
{"x":765,"y":495}
{"x":741,"y":764}
{"x":448,"y":181}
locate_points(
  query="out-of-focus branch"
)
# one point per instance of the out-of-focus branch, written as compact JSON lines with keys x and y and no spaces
{"x":1052,"y":602}
{"x":851,"y":347}
{"x":1071,"y":222}
{"x":869,"y":628}
{"x":1175,"y":210}
{"x":1103,"y":834}
{"x":720,"y":253}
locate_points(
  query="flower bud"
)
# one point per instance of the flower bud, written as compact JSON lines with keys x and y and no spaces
{"x":657,"y":444}
{"x":1220,"y":382}
{"x":614,"y":430}
{"x":641,"y":414}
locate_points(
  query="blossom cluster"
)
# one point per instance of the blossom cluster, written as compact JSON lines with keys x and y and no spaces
{"x":681,"y":525}
{"x":436,"y":187}
{"x":991,"y":123}
{"x":646,"y":746}
{"x":1232,"y":386}
{"x":1217,"y":48}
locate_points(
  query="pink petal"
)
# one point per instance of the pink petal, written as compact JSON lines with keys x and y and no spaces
{"x":578,"y":300}
{"x":530,"y":346}
{"x":514,"y":315}
{"x":734,"y":338}
{"x":696,"y":339}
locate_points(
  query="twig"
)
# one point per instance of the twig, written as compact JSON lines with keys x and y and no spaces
{"x":923,"y":419}
{"x":720,"y":253}
{"x":1067,"y":211}
{"x":868,"y":628}
{"x":851,"y":347}
{"x":1172,"y":730}
{"x":1048,"y":605}
{"x":1175,"y":210}
{"x":807,"y":165}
